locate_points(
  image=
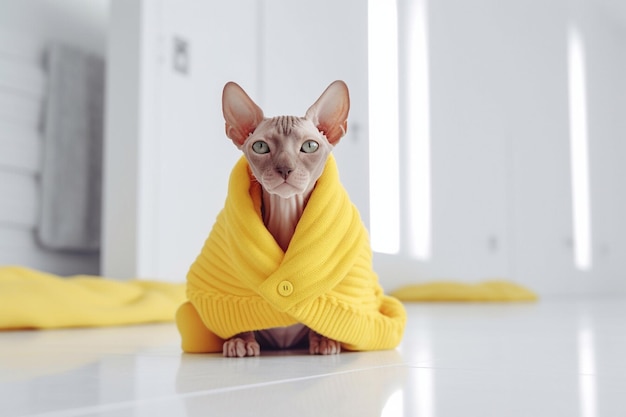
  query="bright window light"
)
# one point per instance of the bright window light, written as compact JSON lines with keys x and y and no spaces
{"x":418,"y":134}
{"x":579,"y":148}
{"x":384,"y":158}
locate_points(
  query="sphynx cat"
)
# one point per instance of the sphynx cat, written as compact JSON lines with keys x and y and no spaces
{"x":287,"y":155}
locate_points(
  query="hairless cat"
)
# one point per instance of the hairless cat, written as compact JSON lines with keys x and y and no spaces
{"x":287,"y":155}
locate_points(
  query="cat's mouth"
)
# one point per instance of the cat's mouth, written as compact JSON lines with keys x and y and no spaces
{"x":284,"y":190}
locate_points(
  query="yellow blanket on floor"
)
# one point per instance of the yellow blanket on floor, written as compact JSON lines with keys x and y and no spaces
{"x":487,"y":291}
{"x":31,"y":299}
{"x":242,"y":280}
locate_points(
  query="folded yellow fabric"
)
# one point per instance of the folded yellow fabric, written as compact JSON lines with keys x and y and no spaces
{"x":242,"y":280}
{"x":34,"y":299}
{"x":493,"y":291}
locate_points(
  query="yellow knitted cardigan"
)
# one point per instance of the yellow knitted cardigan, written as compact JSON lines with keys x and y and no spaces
{"x":242,"y":280}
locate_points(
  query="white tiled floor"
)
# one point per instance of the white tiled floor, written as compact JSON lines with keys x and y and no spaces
{"x":553,"y":358}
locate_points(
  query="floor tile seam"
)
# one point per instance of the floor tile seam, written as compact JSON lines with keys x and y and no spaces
{"x":287,"y":380}
{"x":88,"y":410}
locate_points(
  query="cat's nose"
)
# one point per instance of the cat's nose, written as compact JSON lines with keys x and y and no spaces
{"x":284,"y":171}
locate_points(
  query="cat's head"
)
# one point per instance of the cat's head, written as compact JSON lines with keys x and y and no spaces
{"x":287,"y":154}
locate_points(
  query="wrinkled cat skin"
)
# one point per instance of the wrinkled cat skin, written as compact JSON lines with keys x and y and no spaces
{"x":287,"y":155}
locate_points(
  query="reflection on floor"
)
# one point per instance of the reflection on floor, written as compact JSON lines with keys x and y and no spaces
{"x":552,"y":358}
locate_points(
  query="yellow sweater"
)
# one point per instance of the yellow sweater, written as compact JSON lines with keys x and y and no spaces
{"x":242,"y":280}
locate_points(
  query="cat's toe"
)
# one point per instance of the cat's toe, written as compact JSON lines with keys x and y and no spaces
{"x":253,"y":349}
{"x":329,"y":347}
{"x":229,"y":349}
{"x":239,"y":348}
{"x":321,"y":345}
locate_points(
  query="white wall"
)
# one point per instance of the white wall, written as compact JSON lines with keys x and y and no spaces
{"x":502,"y":201}
{"x":77,"y":22}
{"x":27,"y":27}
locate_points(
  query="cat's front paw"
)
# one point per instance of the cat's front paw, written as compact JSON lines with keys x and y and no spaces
{"x":321,"y":345}
{"x":241,"y":345}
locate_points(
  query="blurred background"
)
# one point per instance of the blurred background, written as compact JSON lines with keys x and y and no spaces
{"x":485,"y":139}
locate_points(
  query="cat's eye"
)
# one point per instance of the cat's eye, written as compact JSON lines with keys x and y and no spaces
{"x":309,"y":146}
{"x":260,"y":147}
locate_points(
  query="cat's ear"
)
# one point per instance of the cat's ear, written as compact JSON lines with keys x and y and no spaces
{"x":241,"y":114}
{"x":330,"y":112}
